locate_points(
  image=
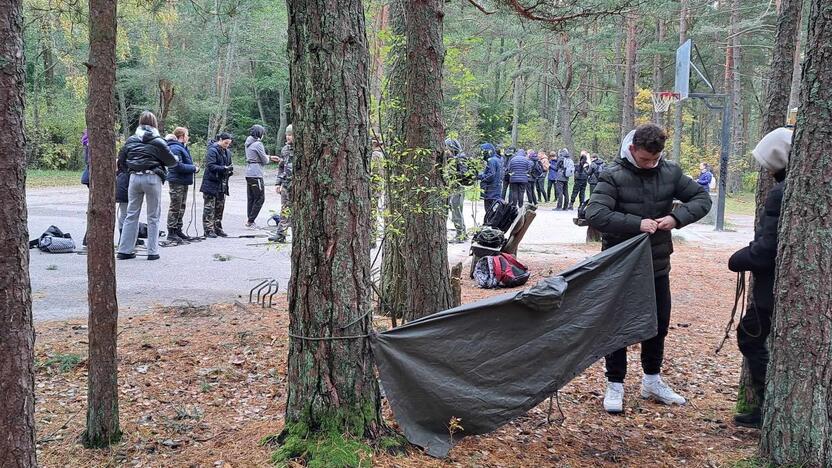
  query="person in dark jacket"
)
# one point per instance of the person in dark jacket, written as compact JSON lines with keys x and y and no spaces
{"x":594,"y":171}
{"x":581,"y":176}
{"x":214,"y":188}
{"x":180,"y":177}
{"x":540,"y":181}
{"x":256,"y":158}
{"x":535,"y":173}
{"x":505,"y":157}
{"x":458,"y":166}
{"x":705,"y":176}
{"x":518,"y":170}
{"x":759,"y":258}
{"x":491,"y":178}
{"x":552,"y":177}
{"x":146,"y":156}
{"x":635,"y":195}
{"x":283,"y":186}
{"x":564,"y":171}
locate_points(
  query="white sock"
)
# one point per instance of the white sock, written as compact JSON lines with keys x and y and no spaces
{"x":650,"y":379}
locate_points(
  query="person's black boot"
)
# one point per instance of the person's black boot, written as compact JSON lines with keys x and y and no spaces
{"x":210,"y":235}
{"x":173,"y":236}
{"x":220,"y":232}
{"x":754,"y":419}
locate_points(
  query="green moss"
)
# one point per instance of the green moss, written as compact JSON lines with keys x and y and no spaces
{"x":321,"y":449}
{"x":395,"y":444}
{"x":744,"y":406}
{"x":63,"y":362}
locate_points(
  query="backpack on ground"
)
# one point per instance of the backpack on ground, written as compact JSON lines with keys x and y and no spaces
{"x":502,"y":215}
{"x":500,"y":271}
{"x":490,"y":237}
{"x":53,"y":240}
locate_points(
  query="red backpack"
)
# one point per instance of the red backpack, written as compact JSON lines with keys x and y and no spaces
{"x":500,"y":271}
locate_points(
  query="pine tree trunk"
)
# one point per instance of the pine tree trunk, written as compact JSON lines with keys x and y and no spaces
{"x":416,"y":191}
{"x":102,"y":394}
{"x":516,"y":95}
{"x":658,"y":75}
{"x":677,"y":109}
{"x":774,"y":116}
{"x":798,"y":404}
{"x":565,"y":82}
{"x":281,"y":103}
{"x":17,"y":336}
{"x":331,"y":383}
{"x":629,"y":92}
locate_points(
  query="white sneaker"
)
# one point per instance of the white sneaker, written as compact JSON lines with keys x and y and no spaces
{"x":252,"y":226}
{"x":659,"y":391}
{"x":614,"y":398}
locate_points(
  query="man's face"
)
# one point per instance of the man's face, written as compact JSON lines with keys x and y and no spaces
{"x":184,"y":139}
{"x":225,"y":143}
{"x":645,"y":159}
{"x":290,"y":138}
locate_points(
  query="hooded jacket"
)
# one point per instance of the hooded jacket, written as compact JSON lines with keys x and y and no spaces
{"x":596,"y":167}
{"x":626,"y":194}
{"x":285,"y":170}
{"x":553,"y":169}
{"x":537,"y":167}
{"x":565,"y":167}
{"x":147,"y":151}
{"x":256,"y":157}
{"x":215,"y":180}
{"x":491,"y":178}
{"x":581,"y":170}
{"x":183,"y":172}
{"x":519,"y":167}
{"x":704,"y":179}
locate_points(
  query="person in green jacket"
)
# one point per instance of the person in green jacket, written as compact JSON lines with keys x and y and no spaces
{"x":635,"y":195}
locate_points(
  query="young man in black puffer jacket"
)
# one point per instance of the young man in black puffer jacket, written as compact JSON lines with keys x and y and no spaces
{"x":759,"y":258}
{"x":635,"y":195}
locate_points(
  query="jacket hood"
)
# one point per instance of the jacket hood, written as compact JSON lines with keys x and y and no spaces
{"x":85,"y":138}
{"x":533,"y":156}
{"x":626,"y":154}
{"x":521,"y":153}
{"x":250,"y":140}
{"x":453,"y":145}
{"x":175,"y":143}
{"x":489,"y":148}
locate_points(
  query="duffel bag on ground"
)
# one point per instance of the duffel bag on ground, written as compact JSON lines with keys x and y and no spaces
{"x":500,"y":271}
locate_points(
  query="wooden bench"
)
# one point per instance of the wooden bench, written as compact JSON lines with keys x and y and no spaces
{"x":516,"y":232}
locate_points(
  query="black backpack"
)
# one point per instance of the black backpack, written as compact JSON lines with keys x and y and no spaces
{"x":502,"y":215}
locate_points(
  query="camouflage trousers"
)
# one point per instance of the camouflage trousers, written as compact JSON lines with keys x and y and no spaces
{"x":212,"y":212}
{"x":178,"y":199}
{"x":285,"y":215}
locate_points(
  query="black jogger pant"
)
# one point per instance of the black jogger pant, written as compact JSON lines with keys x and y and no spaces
{"x":551,"y":185}
{"x":489,"y":208}
{"x":652,"y":350}
{"x":562,"y":190}
{"x":516,"y":192}
{"x":540,"y":186}
{"x":579,"y":189}
{"x":752,"y":334}
{"x":256,"y":196}
{"x":530,"y":195}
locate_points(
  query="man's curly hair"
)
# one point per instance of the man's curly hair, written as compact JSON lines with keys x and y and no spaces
{"x":650,"y":137}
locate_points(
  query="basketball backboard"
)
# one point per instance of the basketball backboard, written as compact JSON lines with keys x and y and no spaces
{"x":682,"y":84}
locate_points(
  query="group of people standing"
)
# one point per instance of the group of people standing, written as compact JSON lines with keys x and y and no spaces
{"x":521,"y":175}
{"x":147,"y":161}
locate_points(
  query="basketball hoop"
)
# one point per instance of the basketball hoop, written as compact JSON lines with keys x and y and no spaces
{"x":663,"y":100}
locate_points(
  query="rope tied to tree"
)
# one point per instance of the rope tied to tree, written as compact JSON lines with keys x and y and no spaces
{"x":334,"y":338}
{"x":740,"y":297}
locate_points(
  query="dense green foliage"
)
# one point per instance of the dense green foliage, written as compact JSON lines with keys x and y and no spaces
{"x":226,"y":62}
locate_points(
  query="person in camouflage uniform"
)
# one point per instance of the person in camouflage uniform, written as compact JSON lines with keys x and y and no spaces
{"x":284,"y":186}
{"x":215,"y":185}
{"x":179,"y":178}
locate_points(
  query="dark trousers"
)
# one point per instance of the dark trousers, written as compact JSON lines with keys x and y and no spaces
{"x":505,"y":188}
{"x":592,"y":188}
{"x":489,"y":208}
{"x":550,"y":187}
{"x":752,"y":334}
{"x":578,"y":190}
{"x":652,"y":350}
{"x":530,"y":195}
{"x":562,"y":189}
{"x":540,"y":186}
{"x":516,"y":192}
{"x":256,"y":195}
{"x":212,"y":211}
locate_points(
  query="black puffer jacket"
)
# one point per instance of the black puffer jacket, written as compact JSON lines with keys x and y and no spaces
{"x":146,"y":151}
{"x":759,"y":257}
{"x":626,"y":194}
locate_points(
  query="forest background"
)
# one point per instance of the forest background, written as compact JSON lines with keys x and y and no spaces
{"x":213,"y":65}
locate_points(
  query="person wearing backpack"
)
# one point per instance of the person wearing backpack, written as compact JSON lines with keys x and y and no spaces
{"x":491,"y":177}
{"x":518,"y":174}
{"x":458,"y":165}
{"x":147,"y":157}
{"x":759,"y":257}
{"x":635,"y":195}
{"x":579,"y":189}
{"x":594,"y":171}
{"x":565,"y":170}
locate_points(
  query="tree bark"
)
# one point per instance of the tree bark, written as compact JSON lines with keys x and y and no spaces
{"x":774,"y":116}
{"x":377,"y":56}
{"x":331,"y":382}
{"x":798,"y":404}
{"x":417,"y":193}
{"x":102,"y":393}
{"x":658,"y":75}
{"x":677,"y":109}
{"x":629,"y":91}
{"x":281,"y":132}
{"x":565,"y":82}
{"x":122,"y":109}
{"x":517,"y":88}
{"x":17,"y":336}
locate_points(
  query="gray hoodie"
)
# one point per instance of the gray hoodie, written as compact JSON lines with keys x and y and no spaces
{"x":256,"y":157}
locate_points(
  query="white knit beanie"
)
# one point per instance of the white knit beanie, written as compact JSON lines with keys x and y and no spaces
{"x":772,"y":152}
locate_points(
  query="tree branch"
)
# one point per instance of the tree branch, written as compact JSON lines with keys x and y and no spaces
{"x":529,"y":12}
{"x":481,"y":8}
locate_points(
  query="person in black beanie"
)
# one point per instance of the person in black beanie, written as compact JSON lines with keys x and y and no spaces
{"x":218,"y":168}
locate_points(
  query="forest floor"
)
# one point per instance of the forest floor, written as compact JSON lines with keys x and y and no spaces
{"x":201,"y":386}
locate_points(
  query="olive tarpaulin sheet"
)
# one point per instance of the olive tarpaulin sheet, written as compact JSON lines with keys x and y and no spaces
{"x":492,"y":360}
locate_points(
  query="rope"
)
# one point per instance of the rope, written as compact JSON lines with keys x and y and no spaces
{"x":739,"y":298}
{"x":328,"y":338}
{"x":193,"y":213}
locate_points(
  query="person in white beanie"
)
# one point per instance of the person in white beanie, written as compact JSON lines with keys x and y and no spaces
{"x":772,"y":152}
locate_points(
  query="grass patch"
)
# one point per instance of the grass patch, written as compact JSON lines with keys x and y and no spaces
{"x":63,"y":362}
{"x":741,"y":203}
{"x":39,"y":178}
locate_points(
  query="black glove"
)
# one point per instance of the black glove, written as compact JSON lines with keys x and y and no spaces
{"x":229,"y":170}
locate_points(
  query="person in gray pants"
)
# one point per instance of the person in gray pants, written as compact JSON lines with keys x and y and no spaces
{"x":146,"y":156}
